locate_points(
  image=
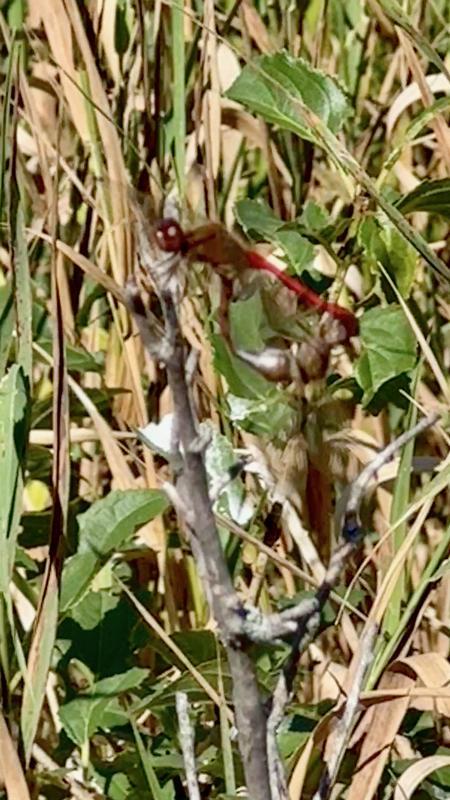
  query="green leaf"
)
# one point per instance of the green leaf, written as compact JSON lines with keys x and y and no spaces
{"x":91,"y":609}
{"x":103,"y":528}
{"x":271,"y":85}
{"x":111,"y":521}
{"x":198,"y":646}
{"x":258,"y":220}
{"x":298,"y":250}
{"x":389,"y":349}
{"x":178,"y":91}
{"x":256,"y":405}
{"x":402,"y":259}
{"x":431,"y":196}
{"x":157,"y":791}
{"x":267,"y":416}
{"x":78,"y":572}
{"x":78,"y":359}
{"x":81,"y":718}
{"x":400,"y":499}
{"x":16,"y":14}
{"x":123,"y":682}
{"x":100,"y":709}
{"x":296,"y":731}
{"x":121,"y":31}
{"x":313,"y":217}
{"x":119,"y":787}
{"x":242,"y":380}
{"x":37,"y":672}
{"x":383,"y":244}
{"x":247,"y":322}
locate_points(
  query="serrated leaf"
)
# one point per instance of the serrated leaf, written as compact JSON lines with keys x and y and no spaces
{"x":104,"y":528}
{"x":298,"y":250}
{"x":314,"y":217}
{"x":388,"y":349}
{"x":277,"y":86}
{"x":109,"y":522}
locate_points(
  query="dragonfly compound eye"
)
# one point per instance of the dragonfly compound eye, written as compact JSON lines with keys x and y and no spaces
{"x":169,"y":235}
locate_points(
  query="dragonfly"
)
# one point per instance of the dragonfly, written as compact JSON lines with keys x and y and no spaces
{"x":211,"y":243}
{"x":297,"y":364}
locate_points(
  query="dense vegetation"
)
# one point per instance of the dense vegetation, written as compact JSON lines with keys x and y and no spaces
{"x":317,"y":131}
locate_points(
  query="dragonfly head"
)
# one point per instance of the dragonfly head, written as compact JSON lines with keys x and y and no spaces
{"x":170,"y":236}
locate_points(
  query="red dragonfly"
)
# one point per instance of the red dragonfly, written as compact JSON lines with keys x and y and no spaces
{"x":213,"y":244}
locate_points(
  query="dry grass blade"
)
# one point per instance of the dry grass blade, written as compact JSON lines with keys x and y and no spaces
{"x":380,"y":725}
{"x":46,"y":621}
{"x":414,"y":775}
{"x":433,"y":670}
{"x":438,"y":123}
{"x":123,"y":476}
{"x":11,"y":772}
{"x":120,"y":250}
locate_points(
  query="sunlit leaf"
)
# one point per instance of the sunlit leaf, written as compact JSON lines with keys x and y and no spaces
{"x":109,"y":522}
{"x":271,"y":85}
{"x":389,"y":349}
{"x":103,"y":528}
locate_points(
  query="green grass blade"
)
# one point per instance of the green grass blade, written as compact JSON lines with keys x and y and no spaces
{"x":179,"y":94}
{"x":23,"y":298}
{"x":13,"y":437}
{"x":400,"y":499}
{"x":158,"y":792}
{"x":383,"y":659}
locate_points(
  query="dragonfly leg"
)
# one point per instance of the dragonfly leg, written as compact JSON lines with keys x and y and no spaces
{"x":226,"y":293}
